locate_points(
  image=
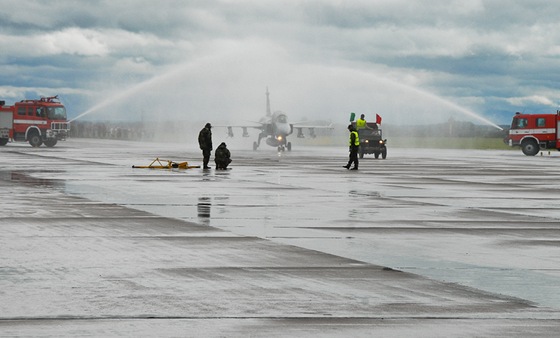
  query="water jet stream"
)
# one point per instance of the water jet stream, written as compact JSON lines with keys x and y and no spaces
{"x":132,"y":90}
{"x":179,"y":71}
{"x":461,"y":109}
{"x":445,"y":102}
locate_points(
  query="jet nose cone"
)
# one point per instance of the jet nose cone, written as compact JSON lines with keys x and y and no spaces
{"x":284,"y":129}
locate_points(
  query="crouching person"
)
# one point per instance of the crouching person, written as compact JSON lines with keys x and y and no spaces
{"x":222,"y":157}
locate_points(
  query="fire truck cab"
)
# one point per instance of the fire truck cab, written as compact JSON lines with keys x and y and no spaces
{"x":38,"y":122}
{"x":533,"y":132}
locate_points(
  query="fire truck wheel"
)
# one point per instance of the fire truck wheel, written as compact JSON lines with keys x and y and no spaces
{"x":51,"y":143}
{"x":3,"y":141}
{"x":530,"y":147}
{"x":35,"y":140}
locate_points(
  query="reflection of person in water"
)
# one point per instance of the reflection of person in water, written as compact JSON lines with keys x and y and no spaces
{"x":203,"y":208}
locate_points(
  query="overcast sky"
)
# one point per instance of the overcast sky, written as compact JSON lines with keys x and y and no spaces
{"x":406,"y":60}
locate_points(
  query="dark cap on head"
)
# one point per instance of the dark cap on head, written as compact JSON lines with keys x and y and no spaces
{"x":208,"y":125}
{"x":350,"y":127}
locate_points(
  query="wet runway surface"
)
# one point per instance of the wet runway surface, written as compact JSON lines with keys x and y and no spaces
{"x":426,"y":242}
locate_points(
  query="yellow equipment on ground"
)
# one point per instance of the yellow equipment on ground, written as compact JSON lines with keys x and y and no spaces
{"x":166,"y":164}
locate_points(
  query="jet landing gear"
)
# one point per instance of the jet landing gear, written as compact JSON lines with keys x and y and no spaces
{"x":258,"y":143}
{"x":280,"y":148}
{"x":281,"y":144}
{"x":287,"y":147}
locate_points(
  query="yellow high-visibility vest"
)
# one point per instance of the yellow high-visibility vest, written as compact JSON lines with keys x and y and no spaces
{"x":356,"y":140}
{"x":360,"y":124}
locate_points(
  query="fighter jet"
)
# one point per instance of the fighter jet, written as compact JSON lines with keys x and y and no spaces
{"x":276,"y":129}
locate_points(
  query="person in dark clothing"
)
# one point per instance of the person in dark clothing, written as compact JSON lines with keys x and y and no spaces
{"x":222,"y":157}
{"x":354,"y":147}
{"x":205,"y":143}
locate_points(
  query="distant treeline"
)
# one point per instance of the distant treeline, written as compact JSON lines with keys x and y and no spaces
{"x":172,"y":130}
{"x":107,"y":129}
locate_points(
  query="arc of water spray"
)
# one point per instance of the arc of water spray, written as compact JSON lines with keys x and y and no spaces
{"x":128,"y":92}
{"x":450,"y":104}
{"x":461,"y":109}
{"x":177,"y":72}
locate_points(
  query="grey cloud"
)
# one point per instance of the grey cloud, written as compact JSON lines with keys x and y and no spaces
{"x":487,"y":55}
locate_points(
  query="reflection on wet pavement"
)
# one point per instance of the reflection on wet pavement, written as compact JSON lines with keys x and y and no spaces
{"x":469,"y":217}
{"x":204,"y":206}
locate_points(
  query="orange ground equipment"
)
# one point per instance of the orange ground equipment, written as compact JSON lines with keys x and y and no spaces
{"x":166,"y":164}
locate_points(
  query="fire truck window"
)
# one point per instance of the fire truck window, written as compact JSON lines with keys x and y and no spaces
{"x":21,"y":111}
{"x":40,"y":111}
{"x":56,"y":113}
{"x":521,"y":123}
{"x":30,"y":111}
{"x":540,"y":122}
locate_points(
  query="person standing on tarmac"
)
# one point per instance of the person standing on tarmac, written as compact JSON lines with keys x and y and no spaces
{"x":205,"y":143}
{"x":222,"y":157}
{"x":354,"y":147}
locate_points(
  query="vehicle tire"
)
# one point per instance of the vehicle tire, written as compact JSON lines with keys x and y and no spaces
{"x":289,"y":146}
{"x":376,"y":154}
{"x":3,"y":141}
{"x":35,"y":140}
{"x":384,"y":153}
{"x":361,"y":153}
{"x":530,"y":147}
{"x":51,"y":142}
{"x":255,"y":145}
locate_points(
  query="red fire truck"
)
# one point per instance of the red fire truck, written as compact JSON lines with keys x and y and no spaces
{"x":41,"y":121}
{"x":533,"y":132}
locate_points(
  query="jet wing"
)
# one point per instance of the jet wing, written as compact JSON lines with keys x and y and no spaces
{"x":315,"y":126}
{"x":311,"y":127}
{"x":257,"y":125}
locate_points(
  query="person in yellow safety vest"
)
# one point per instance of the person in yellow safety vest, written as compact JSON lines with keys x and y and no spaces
{"x":354,"y":147}
{"x":361,"y":123}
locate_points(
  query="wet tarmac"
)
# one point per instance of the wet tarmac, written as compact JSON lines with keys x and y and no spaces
{"x":425,"y":243}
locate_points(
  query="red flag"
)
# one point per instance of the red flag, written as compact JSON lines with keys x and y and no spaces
{"x":377,"y":119}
